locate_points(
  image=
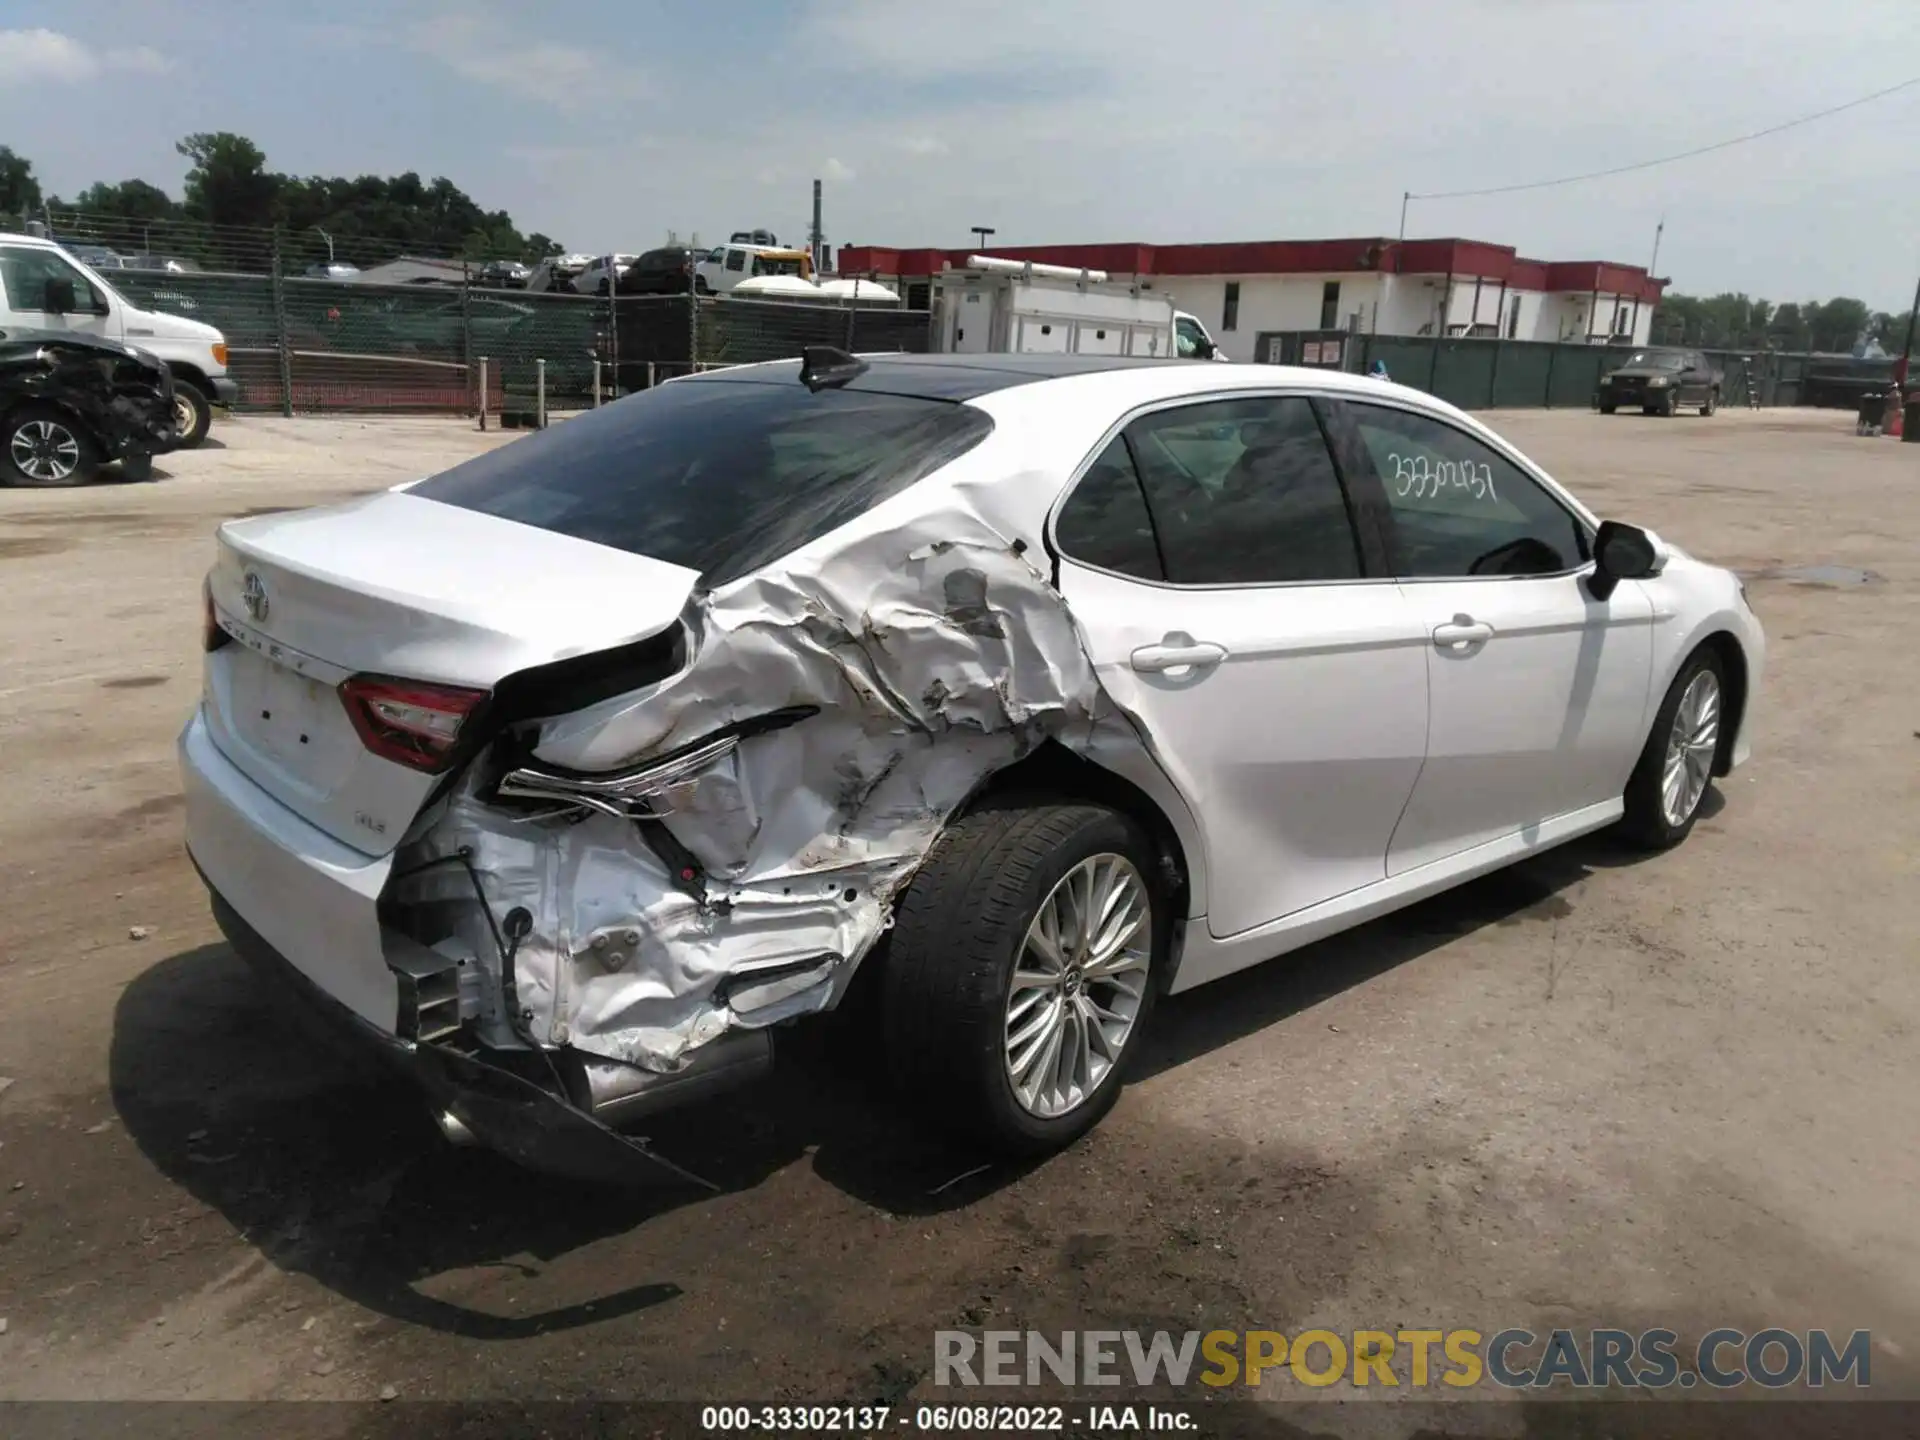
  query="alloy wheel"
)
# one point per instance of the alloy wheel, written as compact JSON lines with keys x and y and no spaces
{"x":44,"y":450}
{"x":1077,"y":986}
{"x":1690,"y":749}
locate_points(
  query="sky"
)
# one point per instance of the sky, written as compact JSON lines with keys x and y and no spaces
{"x":608,"y":123}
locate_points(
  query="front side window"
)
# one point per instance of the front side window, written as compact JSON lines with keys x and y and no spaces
{"x":1105,"y":522}
{"x":25,"y":271}
{"x":1186,"y":338}
{"x":1244,"y":492}
{"x":718,"y":476}
{"x":1460,"y":507}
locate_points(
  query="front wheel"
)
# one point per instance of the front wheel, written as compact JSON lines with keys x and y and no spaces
{"x":1022,"y":967}
{"x":41,"y":446}
{"x":1713,"y":403}
{"x":1607,"y":407}
{"x":1663,"y":796}
{"x":192,"y":414}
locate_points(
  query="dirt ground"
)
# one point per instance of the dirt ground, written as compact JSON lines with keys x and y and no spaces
{"x":1592,"y":1090}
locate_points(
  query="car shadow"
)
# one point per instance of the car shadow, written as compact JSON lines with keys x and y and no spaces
{"x":1215,"y":1015}
{"x":332,"y":1169}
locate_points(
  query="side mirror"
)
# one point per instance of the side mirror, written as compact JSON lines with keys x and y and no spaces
{"x":1623,"y":552}
{"x":1203,"y":349}
{"x":58,"y":298}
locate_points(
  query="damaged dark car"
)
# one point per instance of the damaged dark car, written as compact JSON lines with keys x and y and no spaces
{"x":71,"y":405}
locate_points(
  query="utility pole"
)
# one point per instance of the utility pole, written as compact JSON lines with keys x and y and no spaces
{"x":1906,"y":351}
{"x":817,"y":237}
{"x":1405,"y":196}
{"x":1658,"y":230}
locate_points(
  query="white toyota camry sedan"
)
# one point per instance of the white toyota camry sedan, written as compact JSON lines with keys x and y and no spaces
{"x":1023,"y":690}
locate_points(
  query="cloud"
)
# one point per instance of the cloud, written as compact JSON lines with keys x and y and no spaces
{"x":549,"y":72}
{"x":30,"y":55}
{"x":922,"y":145}
{"x":835,"y":170}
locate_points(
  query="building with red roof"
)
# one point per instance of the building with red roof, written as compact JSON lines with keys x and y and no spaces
{"x":1245,"y":291}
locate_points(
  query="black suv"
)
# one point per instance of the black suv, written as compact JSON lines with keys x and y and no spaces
{"x":70,"y":404}
{"x":667,"y":271}
{"x":1661,"y":382}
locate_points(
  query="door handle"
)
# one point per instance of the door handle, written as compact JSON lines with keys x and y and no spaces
{"x":1202,"y":654}
{"x":1461,"y":632}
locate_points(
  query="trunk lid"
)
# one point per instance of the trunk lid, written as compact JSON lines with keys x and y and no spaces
{"x":402,"y":586}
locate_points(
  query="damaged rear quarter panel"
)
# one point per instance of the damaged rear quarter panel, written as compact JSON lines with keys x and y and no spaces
{"x":937,"y":651}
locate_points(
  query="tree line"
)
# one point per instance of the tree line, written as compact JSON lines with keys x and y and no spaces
{"x":1735,"y":322}
{"x":236,"y":213}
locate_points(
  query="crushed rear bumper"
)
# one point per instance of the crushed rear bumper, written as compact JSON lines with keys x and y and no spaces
{"x":473,"y":1101}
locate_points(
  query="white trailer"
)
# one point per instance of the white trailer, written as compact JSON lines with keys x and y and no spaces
{"x":991,"y":306}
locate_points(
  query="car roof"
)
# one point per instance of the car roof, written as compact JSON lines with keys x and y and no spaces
{"x":944,"y":377}
{"x":1139,"y":378}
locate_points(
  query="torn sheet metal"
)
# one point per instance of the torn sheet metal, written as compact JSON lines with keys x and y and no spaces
{"x":935,"y":652}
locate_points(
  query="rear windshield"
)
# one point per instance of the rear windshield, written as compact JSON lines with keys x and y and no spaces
{"x":717,"y":477}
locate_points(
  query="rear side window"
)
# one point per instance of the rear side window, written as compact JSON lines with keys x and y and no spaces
{"x":1105,"y":521}
{"x":1244,"y":492}
{"x":719,"y":477}
{"x":736,"y":259}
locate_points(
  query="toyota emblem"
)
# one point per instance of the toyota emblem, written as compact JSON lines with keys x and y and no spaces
{"x":253,"y":595}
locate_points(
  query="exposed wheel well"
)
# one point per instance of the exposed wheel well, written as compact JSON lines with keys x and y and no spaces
{"x":1734,"y":661}
{"x":180,"y":370}
{"x":1056,"y":772}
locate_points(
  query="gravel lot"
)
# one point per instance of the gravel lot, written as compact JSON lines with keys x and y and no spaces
{"x":1593,"y":1090}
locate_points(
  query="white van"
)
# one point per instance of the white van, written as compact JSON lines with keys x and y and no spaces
{"x":43,"y":287}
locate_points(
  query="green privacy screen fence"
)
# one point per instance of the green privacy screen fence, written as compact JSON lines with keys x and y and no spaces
{"x":1484,"y":374}
{"x":305,"y":345}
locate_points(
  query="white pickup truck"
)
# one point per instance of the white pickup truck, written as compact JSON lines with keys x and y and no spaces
{"x":43,"y":287}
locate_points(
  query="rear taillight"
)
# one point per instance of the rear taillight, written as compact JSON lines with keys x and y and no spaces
{"x":406,"y":721}
{"x":212,"y":634}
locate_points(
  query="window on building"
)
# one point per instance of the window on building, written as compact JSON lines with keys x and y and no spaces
{"x":1330,"y":305}
{"x":1513,"y":318}
{"x":1622,"y":324}
{"x":1460,"y":508}
{"x":1230,"y":307}
{"x":1243,"y":492}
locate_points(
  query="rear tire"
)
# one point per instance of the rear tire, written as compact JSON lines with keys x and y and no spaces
{"x":1005,"y":1016}
{"x":40,"y":446}
{"x":192,"y":413}
{"x":1608,"y":408}
{"x":1669,"y":785}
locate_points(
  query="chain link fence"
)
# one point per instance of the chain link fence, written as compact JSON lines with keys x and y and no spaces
{"x":300,"y":345}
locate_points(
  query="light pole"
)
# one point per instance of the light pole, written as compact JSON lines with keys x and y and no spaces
{"x":329,"y":239}
{"x":983,"y":231}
